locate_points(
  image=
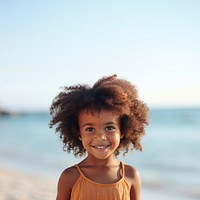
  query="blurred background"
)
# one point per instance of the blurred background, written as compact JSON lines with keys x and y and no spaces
{"x":45,"y":45}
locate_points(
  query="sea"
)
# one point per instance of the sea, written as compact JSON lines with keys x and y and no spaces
{"x":169,"y":164}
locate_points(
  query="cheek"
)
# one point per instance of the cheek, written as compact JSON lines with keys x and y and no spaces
{"x":84,"y":137}
{"x":116,"y":138}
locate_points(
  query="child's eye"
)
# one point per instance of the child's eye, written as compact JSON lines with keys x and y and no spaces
{"x":89,"y":129}
{"x":110,"y":128}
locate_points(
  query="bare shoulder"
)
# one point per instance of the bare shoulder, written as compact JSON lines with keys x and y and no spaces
{"x":66,"y":182}
{"x":132,"y":175}
{"x":70,"y":171}
{"x":69,"y":175}
{"x":131,"y":172}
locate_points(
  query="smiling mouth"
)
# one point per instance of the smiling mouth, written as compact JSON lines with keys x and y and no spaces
{"x":101,"y":147}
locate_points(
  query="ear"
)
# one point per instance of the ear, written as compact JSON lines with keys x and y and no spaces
{"x":79,"y":137}
{"x":121,"y":136}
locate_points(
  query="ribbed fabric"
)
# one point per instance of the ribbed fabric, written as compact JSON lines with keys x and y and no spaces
{"x":86,"y":189}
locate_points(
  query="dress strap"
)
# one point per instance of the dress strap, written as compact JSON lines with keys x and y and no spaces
{"x":79,"y":170}
{"x":122,"y":169}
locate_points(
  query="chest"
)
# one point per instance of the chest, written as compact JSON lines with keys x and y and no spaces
{"x":103,"y":175}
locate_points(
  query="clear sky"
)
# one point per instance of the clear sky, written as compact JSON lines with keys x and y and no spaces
{"x":47,"y":44}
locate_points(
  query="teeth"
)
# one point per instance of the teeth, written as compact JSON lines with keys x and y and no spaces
{"x":100,"y":147}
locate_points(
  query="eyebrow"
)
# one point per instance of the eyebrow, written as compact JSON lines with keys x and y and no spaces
{"x":107,"y":123}
{"x":87,"y":124}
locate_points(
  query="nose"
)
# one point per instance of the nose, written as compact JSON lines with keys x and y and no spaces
{"x":100,"y":135}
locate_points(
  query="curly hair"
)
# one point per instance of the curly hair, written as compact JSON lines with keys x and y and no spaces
{"x":109,"y":93}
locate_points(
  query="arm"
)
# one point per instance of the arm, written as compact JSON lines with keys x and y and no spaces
{"x":136,"y":187}
{"x":133,"y":178}
{"x":65,"y":183}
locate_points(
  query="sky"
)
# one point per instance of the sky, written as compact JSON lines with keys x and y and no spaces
{"x":47,"y":44}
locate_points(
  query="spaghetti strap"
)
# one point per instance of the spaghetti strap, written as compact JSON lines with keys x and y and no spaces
{"x":122,"y":169}
{"x":85,"y":188}
{"x":81,"y":173}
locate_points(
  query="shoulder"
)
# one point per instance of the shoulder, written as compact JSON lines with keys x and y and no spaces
{"x":132,"y":174}
{"x":69,"y":175}
{"x":66,"y":182}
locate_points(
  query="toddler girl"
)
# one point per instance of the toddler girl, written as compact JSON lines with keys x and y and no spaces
{"x":99,"y":121}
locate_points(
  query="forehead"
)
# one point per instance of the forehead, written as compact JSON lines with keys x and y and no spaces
{"x":100,"y":115}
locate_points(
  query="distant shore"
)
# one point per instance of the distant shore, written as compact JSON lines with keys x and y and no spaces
{"x":7,"y":113}
{"x":4,"y":112}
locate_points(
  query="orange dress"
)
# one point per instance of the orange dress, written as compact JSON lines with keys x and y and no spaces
{"x":86,"y":189}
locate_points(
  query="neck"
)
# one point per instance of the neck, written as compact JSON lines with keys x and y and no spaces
{"x":110,"y":161}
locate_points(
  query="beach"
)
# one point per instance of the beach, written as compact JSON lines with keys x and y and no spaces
{"x":16,"y":185}
{"x":31,"y":157}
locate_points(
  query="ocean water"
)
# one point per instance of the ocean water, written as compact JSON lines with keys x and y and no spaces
{"x":169,"y":164}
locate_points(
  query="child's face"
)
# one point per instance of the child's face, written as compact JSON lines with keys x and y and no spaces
{"x":99,"y":132}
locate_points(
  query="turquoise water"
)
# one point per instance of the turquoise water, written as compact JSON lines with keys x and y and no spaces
{"x":169,"y":163}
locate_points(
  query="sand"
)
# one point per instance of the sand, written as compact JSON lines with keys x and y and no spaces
{"x":22,"y":186}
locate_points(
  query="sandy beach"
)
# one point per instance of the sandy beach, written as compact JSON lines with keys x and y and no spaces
{"x":18,"y":185}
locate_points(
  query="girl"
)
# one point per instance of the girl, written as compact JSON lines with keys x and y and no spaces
{"x":101,"y":122}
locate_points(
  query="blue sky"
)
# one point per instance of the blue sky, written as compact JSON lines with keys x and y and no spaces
{"x":48,"y":44}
